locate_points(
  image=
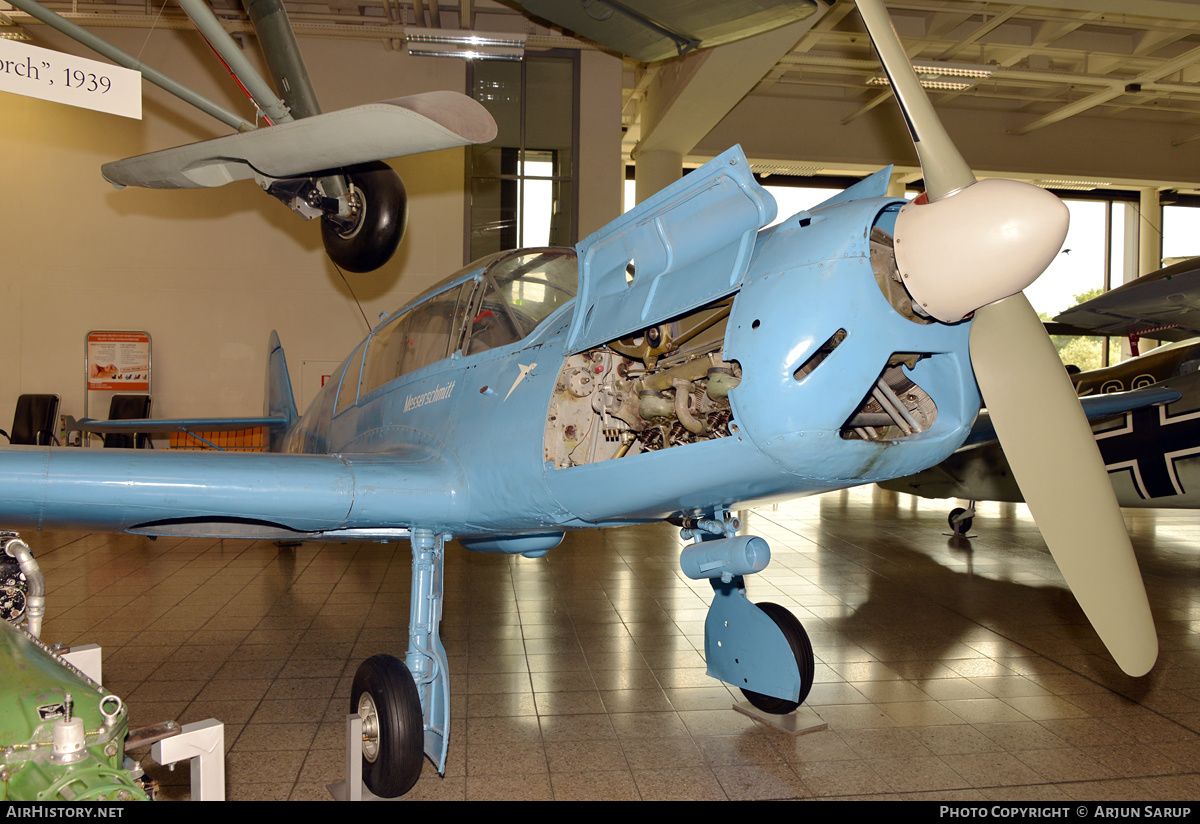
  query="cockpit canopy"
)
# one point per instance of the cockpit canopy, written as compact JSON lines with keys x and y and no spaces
{"x":490,"y":303}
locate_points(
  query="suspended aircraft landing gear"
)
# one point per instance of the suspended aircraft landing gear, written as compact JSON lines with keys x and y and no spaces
{"x":379,"y":207}
{"x":385,"y":698}
{"x":802,"y":651}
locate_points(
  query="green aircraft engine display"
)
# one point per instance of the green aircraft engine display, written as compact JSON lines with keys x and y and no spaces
{"x":62,"y":734}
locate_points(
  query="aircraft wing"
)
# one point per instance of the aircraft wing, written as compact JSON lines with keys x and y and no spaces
{"x":227,"y":494}
{"x":1164,"y":305}
{"x":650,"y":30}
{"x":1096,"y":407}
{"x":375,"y":131}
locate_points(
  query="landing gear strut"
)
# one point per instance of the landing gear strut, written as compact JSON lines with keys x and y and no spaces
{"x":405,"y":705}
{"x":759,"y":648}
{"x":960,"y":519}
{"x":385,"y":698}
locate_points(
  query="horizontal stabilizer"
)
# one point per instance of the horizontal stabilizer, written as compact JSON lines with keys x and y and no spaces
{"x":166,"y":425}
{"x":375,"y":131}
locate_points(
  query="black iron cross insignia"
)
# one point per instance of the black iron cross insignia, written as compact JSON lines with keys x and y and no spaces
{"x":1148,"y":445}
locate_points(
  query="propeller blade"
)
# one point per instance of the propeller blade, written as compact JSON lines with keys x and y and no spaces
{"x":944,"y":168}
{"x":967,"y":245}
{"x":1054,"y":458}
{"x":964,"y":243}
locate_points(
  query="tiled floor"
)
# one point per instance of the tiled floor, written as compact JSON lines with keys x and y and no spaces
{"x":945,"y":669}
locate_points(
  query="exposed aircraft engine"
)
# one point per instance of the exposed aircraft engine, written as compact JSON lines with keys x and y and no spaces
{"x":664,"y":387}
{"x":64,"y":735}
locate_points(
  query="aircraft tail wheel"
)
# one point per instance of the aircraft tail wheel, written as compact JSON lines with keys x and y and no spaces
{"x":382,"y":204}
{"x":959,"y":527}
{"x":805,"y":661}
{"x":386,"y":699}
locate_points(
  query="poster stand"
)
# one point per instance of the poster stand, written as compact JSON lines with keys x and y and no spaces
{"x":115,"y":362}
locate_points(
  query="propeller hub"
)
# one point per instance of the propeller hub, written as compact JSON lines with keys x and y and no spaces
{"x":978,"y":245}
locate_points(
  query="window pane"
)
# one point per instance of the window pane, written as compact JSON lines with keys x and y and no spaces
{"x":1181,"y":232}
{"x":431,"y":328}
{"x":1078,"y":269}
{"x":519,"y":293}
{"x":550,"y":109}
{"x":348,"y":392}
{"x":385,"y":351}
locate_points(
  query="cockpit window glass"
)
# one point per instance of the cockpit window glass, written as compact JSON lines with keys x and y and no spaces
{"x":385,"y":352}
{"x":348,"y":391}
{"x":518,"y":293}
{"x":435,"y":328}
{"x":425,"y":334}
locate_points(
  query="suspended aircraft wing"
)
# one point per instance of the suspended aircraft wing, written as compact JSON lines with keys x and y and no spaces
{"x":650,"y":30}
{"x":375,"y":131}
{"x":1164,"y":305}
{"x":1096,"y":407}
{"x":228,"y":494}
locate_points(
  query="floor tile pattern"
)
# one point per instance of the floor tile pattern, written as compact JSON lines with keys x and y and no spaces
{"x":946,"y":668}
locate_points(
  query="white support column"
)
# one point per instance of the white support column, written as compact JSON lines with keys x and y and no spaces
{"x":654,"y":171}
{"x":1149,"y":238}
{"x":1150,"y":234}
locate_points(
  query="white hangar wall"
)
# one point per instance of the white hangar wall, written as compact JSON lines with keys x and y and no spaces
{"x":209,"y":272}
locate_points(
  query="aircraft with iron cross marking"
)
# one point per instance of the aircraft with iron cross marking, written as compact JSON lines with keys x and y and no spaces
{"x":1145,"y":411}
{"x":682,"y":362}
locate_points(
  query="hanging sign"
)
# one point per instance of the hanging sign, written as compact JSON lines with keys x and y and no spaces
{"x":64,"y":78}
{"x":118,"y":361}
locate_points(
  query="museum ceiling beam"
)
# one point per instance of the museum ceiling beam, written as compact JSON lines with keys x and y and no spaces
{"x":1118,"y":88}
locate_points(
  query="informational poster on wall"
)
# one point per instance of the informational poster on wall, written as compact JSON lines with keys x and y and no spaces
{"x":65,"y":78}
{"x":118,"y":361}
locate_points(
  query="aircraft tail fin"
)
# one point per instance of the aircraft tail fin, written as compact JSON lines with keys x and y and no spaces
{"x":278,"y":400}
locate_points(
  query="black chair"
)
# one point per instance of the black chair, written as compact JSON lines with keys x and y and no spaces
{"x":128,"y":408}
{"x":34,"y":421}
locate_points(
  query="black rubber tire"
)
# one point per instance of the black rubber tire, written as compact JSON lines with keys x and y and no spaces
{"x":399,"y":742}
{"x":373,"y":240}
{"x":959,"y":527}
{"x":805,"y":661}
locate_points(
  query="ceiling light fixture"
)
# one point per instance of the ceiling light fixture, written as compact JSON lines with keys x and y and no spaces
{"x":469,"y":45}
{"x":934,"y":75}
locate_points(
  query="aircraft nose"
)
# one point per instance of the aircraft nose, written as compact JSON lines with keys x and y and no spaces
{"x":977,"y":245}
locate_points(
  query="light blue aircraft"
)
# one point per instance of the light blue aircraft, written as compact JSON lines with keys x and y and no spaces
{"x":680,"y":363}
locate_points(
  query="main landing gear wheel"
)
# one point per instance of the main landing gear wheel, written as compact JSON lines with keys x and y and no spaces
{"x":386,"y":699}
{"x":956,"y":526}
{"x":805,"y":661}
{"x":378,"y":194}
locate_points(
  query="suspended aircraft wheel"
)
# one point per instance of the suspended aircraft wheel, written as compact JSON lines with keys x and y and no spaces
{"x":959,"y":527}
{"x":377,"y":193}
{"x":805,"y":662}
{"x":386,"y":699}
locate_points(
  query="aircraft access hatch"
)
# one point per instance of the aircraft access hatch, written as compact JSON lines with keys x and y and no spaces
{"x":686,"y":246}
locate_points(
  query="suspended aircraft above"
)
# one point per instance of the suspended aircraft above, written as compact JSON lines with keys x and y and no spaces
{"x":320,"y":165}
{"x":1164,"y":305}
{"x":650,"y":30}
{"x":679,"y":363}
